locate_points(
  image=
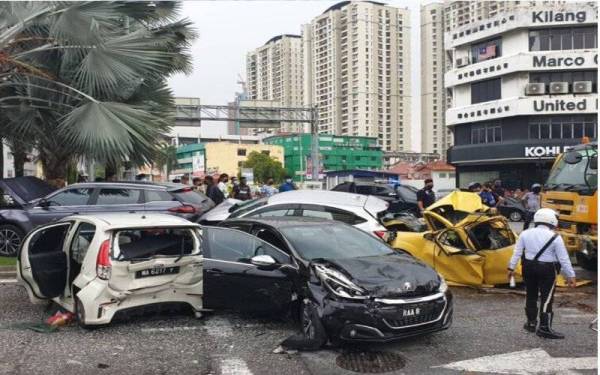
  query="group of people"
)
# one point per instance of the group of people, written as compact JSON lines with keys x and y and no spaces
{"x":226,"y":187}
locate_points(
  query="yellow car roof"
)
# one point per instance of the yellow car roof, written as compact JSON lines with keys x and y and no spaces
{"x":461,"y":201}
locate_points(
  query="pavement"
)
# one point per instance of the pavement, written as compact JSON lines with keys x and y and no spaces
{"x":486,"y":323}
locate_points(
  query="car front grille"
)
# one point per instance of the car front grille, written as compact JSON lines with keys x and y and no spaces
{"x":412,"y":314}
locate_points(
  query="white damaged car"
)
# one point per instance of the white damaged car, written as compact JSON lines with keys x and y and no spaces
{"x":98,"y":265}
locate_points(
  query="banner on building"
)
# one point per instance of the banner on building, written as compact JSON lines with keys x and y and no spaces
{"x":198,"y":165}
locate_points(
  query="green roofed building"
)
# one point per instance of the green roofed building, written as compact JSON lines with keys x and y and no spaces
{"x":336,"y":152}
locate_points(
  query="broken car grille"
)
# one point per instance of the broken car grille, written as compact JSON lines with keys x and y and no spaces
{"x":413,"y":314}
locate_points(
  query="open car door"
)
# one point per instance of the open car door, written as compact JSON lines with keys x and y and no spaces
{"x":150,"y":260}
{"x":494,"y":240}
{"x":42,"y":263}
{"x":455,"y":261}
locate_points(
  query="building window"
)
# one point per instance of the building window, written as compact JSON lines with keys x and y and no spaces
{"x":241,"y":152}
{"x":485,"y":91}
{"x":562,"y":127}
{"x":564,"y":38}
{"x":488,"y":50}
{"x":486,"y":133}
{"x":566,"y":76}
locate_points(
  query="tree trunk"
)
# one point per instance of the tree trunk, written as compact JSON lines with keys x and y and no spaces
{"x":55,"y":166}
{"x":19,"y":157}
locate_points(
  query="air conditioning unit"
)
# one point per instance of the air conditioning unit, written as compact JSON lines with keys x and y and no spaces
{"x":461,"y":62}
{"x":582,"y":87}
{"x":559,"y":87}
{"x":535,"y":89}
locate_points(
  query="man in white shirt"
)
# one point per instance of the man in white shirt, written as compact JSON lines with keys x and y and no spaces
{"x":543,"y":255}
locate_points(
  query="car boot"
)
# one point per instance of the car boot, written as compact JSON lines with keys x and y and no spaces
{"x":531,"y":319}
{"x":545,"y":328}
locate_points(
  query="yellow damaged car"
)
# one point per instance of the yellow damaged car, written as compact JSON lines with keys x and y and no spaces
{"x":465,"y":241}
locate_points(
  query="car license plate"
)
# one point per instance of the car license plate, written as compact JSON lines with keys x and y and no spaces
{"x":157,"y":271}
{"x":410,"y":312}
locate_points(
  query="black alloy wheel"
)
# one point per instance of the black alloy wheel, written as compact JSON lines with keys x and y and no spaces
{"x":11,"y":238}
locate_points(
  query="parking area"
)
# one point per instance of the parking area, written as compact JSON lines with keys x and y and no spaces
{"x":486,"y":323}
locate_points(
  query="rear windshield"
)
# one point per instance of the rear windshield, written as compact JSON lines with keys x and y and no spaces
{"x":190,"y":196}
{"x":134,"y":244}
{"x":239,"y":209}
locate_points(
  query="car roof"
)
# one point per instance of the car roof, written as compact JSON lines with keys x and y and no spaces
{"x":324,"y":197}
{"x":130,"y":184}
{"x":281,"y":222}
{"x":111,"y":221}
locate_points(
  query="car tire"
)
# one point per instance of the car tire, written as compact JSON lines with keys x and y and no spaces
{"x":11,"y":238}
{"x":310,"y":323}
{"x":515,"y":216}
{"x":80,"y":315}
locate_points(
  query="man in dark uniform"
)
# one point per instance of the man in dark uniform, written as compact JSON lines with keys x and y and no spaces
{"x":425,"y":196}
{"x":543,"y":255}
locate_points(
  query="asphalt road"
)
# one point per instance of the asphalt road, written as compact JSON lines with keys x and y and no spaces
{"x":485,"y":323}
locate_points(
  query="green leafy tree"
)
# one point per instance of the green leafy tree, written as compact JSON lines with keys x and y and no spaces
{"x":264,"y":167}
{"x":89,"y":78}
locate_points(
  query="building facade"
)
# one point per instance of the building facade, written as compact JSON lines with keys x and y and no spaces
{"x":336,"y":153}
{"x":274,"y":73}
{"x":220,"y":157}
{"x":523,"y":87}
{"x":357,"y":72}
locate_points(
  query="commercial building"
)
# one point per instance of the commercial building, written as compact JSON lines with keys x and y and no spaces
{"x":357,"y":72}
{"x":220,"y":157}
{"x":274,"y":73}
{"x":335,"y":153}
{"x":523,"y":86}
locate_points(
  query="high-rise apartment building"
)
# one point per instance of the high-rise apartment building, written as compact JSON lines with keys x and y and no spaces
{"x":357,"y":72}
{"x":435,"y":137}
{"x":274,"y":73}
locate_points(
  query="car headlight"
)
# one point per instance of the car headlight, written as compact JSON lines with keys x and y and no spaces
{"x":339,"y":284}
{"x":443,"y":286}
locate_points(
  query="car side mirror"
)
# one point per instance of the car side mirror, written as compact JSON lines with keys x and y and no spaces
{"x":264,"y":261}
{"x":573,"y":157}
{"x":43,"y":203}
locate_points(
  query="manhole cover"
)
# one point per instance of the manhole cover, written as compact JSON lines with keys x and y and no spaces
{"x":370,"y":362}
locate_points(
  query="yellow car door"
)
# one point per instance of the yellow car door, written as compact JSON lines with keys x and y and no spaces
{"x":455,"y":261}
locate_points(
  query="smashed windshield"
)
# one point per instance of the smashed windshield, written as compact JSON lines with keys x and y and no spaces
{"x":578,"y":176}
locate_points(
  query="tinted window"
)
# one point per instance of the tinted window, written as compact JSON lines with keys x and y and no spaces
{"x":408,"y":194}
{"x":333,"y":241}
{"x":158,"y":196}
{"x":118,"y":196}
{"x":242,"y":208}
{"x":316,"y":212}
{"x":190,"y":196}
{"x":485,"y":91}
{"x":383,"y":190}
{"x":71,"y":197}
{"x":274,"y":211}
{"x":50,"y":240}
{"x":155,"y":242}
{"x":230,"y":245}
{"x":81,"y":242}
{"x":364,"y":189}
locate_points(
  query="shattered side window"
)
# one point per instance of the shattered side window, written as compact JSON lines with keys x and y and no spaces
{"x":451,"y":238}
{"x":154,"y":242}
{"x":492,"y":235}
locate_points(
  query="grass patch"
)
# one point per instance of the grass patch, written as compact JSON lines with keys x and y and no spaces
{"x":8,"y":261}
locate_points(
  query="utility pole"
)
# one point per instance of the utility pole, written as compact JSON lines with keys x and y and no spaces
{"x":314,"y":151}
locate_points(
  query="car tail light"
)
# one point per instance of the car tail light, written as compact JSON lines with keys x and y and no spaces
{"x":381,"y":234}
{"x":103,"y":265}
{"x":185,"y":209}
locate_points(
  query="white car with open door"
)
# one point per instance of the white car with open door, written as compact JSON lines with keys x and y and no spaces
{"x":98,"y":265}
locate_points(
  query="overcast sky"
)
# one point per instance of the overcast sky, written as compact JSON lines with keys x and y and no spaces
{"x":229,"y":29}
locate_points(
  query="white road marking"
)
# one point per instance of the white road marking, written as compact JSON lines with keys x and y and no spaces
{"x":171,"y":329}
{"x":525,"y":362}
{"x":218,"y":327}
{"x":234,"y":366}
{"x":7,"y":281}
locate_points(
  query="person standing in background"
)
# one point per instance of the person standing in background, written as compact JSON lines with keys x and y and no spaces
{"x":223,"y":180}
{"x":531,"y":201}
{"x":268,"y":189}
{"x":425,"y":196}
{"x":242,"y":191}
{"x":288,"y":185}
{"x":212,"y":191}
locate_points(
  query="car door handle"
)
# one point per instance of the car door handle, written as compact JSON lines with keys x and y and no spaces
{"x":215,"y":271}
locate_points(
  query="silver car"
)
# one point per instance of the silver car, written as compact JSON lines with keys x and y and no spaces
{"x":361,"y":211}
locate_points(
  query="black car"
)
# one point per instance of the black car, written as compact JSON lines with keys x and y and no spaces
{"x":513,"y":209}
{"x":401,"y":198}
{"x":27,"y":204}
{"x":341,"y":283}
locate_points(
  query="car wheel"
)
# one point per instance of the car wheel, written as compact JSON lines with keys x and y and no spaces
{"x":515,"y":216}
{"x":312,"y":328}
{"x":11,"y":238}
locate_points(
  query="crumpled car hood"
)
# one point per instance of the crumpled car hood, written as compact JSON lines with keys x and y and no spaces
{"x":386,"y":276}
{"x":460,"y":201}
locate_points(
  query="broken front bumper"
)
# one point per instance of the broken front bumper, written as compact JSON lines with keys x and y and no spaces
{"x":382,"y":320}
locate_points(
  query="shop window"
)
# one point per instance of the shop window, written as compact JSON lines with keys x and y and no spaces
{"x":564,"y":38}
{"x":562,"y":127}
{"x":486,"y":133}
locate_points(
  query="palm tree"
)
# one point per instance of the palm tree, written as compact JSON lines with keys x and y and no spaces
{"x":89,"y":78}
{"x":166,"y":158}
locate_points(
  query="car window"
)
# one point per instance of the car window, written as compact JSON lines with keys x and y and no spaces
{"x":49,"y":240}
{"x":278,"y":248}
{"x":154,"y":242}
{"x":492,"y":235}
{"x":344,"y":216}
{"x":230,"y":245}
{"x":308,"y":212}
{"x":451,"y":238}
{"x":364,"y":189}
{"x":71,"y":197}
{"x":334,"y":241}
{"x":81,"y":241}
{"x":435,"y":223}
{"x":242,"y":208}
{"x":158,"y":196}
{"x":408,"y":193}
{"x":382,"y":190}
{"x":190,"y":196}
{"x":118,"y":196}
{"x":273,"y":211}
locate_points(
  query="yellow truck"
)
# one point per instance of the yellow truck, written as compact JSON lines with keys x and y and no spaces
{"x":572,"y":191}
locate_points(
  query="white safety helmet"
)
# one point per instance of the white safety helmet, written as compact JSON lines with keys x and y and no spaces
{"x":545,"y":216}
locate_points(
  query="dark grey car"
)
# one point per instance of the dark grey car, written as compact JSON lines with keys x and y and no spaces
{"x":97,"y":197}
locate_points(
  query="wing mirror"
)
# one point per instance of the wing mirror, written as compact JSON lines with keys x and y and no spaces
{"x":43,"y":203}
{"x":264,"y":261}
{"x":573,"y":157}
